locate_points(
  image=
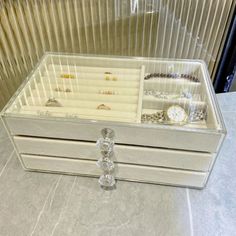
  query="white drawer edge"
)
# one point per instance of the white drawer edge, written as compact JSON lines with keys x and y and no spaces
{"x":125,"y":171}
{"x":131,"y":134}
{"x":125,"y":154}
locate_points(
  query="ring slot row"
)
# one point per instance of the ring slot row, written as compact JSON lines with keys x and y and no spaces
{"x":41,"y":101}
{"x":93,"y":82}
{"x":79,"y":96}
{"x":86,"y":89}
{"x":90,"y":69}
{"x":88,"y":75}
{"x":78,"y":113}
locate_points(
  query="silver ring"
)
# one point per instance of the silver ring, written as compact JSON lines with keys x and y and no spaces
{"x":52,"y":102}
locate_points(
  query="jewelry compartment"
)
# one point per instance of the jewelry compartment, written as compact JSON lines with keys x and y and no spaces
{"x":183,"y":86}
{"x":118,"y":89}
{"x":82,"y":88}
{"x":76,"y":96}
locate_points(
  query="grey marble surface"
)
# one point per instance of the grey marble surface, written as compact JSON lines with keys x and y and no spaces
{"x":48,"y":204}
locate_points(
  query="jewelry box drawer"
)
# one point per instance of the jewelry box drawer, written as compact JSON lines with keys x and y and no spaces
{"x":197,"y":161}
{"x":158,"y":136}
{"x":123,"y":171}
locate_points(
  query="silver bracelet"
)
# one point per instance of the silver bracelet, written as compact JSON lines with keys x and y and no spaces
{"x":160,"y":117}
{"x":198,"y":115}
{"x":157,"y":117}
{"x":166,"y":95}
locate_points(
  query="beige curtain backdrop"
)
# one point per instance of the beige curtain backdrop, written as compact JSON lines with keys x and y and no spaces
{"x":147,"y":28}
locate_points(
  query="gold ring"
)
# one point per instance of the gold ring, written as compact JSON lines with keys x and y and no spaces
{"x":67,"y":76}
{"x":103,"y":107}
{"x":107,"y":92}
{"x":107,"y":77}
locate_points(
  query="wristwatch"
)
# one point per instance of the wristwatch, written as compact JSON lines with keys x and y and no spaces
{"x":175,"y":114}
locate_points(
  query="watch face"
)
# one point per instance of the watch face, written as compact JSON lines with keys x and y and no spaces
{"x":176,"y":114}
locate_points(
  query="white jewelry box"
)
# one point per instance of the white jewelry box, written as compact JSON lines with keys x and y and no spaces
{"x":57,"y":115}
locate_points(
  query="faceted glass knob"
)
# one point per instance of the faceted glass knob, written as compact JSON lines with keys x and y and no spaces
{"x":105,"y":145}
{"x":105,"y":164}
{"x":107,"y":180}
{"x":108,"y":133}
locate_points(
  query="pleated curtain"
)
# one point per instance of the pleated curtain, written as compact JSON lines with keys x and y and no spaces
{"x":140,"y":28}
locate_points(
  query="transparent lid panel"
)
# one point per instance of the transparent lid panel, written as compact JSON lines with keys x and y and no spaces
{"x":118,"y":89}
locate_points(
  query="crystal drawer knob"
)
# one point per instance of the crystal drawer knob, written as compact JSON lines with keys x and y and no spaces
{"x":105,"y":164}
{"x":105,"y":145}
{"x":108,"y":133}
{"x":107,"y":180}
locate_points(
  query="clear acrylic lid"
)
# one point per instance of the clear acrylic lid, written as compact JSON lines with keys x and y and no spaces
{"x":138,"y":91}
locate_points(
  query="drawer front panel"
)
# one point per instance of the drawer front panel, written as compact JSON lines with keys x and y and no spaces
{"x":122,"y":153}
{"x":136,"y":135}
{"x":124,"y":171}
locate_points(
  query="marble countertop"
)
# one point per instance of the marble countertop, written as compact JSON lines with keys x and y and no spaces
{"x":49,"y":204}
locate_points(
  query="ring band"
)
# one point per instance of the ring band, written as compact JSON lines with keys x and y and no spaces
{"x":52,"y":102}
{"x":107,"y":77}
{"x":67,"y":76}
{"x":103,"y":107}
{"x":107,"y":92}
{"x":62,"y":90}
